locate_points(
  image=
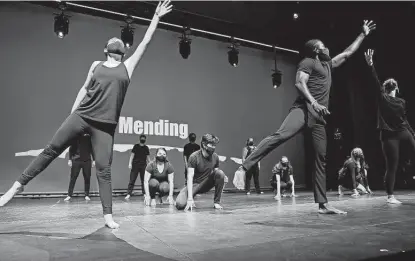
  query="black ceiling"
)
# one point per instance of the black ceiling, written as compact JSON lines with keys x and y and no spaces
{"x":271,"y":22}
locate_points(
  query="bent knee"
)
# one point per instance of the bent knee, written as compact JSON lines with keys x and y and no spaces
{"x":219,"y":174}
{"x":153,"y":183}
{"x":164,"y":187}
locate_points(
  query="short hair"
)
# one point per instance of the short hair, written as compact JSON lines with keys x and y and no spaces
{"x":309,"y":48}
{"x":143,"y":136}
{"x":192,"y":136}
{"x":389,"y":85}
{"x":209,"y":138}
{"x":247,"y":141}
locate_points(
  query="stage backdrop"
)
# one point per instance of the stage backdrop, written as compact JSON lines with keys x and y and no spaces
{"x":42,"y":74}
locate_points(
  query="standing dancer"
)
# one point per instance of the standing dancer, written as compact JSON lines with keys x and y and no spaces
{"x":254,"y":171}
{"x":395,"y":130}
{"x":96,"y":111}
{"x":188,"y":150}
{"x":313,"y":82}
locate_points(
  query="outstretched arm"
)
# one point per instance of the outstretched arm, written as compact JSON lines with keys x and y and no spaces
{"x":82,"y":91}
{"x":342,"y":57}
{"x":369,"y":61}
{"x":161,"y":10}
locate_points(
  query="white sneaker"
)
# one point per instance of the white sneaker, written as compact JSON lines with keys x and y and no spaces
{"x":393,"y":200}
{"x":67,"y":198}
{"x":217,"y":206}
{"x":87,"y":198}
{"x":127,"y":197}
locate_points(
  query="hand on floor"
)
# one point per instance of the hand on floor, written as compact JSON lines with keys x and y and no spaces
{"x":153,"y":202}
{"x":170,"y":200}
{"x":190,"y":205}
{"x":293,"y":195}
{"x":147,"y":200}
{"x":277,"y":197}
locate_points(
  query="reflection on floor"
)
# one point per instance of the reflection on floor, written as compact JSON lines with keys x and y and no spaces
{"x":254,"y":227}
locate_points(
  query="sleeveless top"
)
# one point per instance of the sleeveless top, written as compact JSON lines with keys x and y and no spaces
{"x":105,"y":94}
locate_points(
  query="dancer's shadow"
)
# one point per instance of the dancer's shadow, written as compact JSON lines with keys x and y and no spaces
{"x":100,"y":245}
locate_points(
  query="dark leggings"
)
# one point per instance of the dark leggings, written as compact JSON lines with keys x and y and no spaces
{"x":102,"y":139}
{"x":392,"y":143}
{"x":136,"y":169}
{"x":252,"y":173}
{"x":155,"y":186}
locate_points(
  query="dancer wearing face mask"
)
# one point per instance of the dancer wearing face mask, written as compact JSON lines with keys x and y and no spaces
{"x":96,"y":111}
{"x":283,"y":178}
{"x":254,"y":171}
{"x":395,"y":131}
{"x":313,"y":81}
{"x":353,"y":175}
{"x":159,"y":178}
{"x":139,"y":158}
{"x":188,"y":149}
{"x":203,"y":174}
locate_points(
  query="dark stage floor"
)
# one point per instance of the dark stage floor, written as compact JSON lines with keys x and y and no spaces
{"x":254,"y":227}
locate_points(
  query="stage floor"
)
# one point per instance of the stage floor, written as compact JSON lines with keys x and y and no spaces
{"x":254,"y":227}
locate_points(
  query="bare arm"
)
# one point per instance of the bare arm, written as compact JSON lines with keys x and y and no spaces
{"x":147,"y":176}
{"x":171,"y":184}
{"x":82,"y":91}
{"x":190,"y":175}
{"x":293,"y":184}
{"x":131,"y":159}
{"x":278,"y":179}
{"x":148,"y":159}
{"x":301,"y":84}
{"x":244,"y":152}
{"x":132,"y":62}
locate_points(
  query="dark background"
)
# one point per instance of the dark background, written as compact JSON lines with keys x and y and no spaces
{"x":337,"y":24}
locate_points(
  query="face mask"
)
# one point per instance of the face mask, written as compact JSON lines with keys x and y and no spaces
{"x":324,"y":55}
{"x":284,"y":164}
{"x":116,"y":47}
{"x":143,"y":141}
{"x":250,"y":143}
{"x":209,"y":150}
{"x":161,"y":158}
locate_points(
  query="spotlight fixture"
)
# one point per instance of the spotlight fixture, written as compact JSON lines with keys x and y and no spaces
{"x":295,"y":16}
{"x":127,"y":32}
{"x":277,"y":75}
{"x":184,"y":45}
{"x":61,"y":25}
{"x":233,"y":53}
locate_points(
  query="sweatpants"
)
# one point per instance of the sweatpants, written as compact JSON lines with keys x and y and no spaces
{"x":252,"y":173}
{"x":295,"y":122}
{"x":156,"y":186}
{"x":136,"y":168}
{"x":392,"y":144}
{"x":77,"y":165}
{"x":215,"y":180}
{"x":102,"y":140}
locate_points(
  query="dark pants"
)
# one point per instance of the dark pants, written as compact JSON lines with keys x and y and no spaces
{"x":253,"y":172}
{"x":102,"y":139}
{"x":295,"y":122}
{"x":392,"y":143}
{"x":135,"y":169}
{"x":215,"y":180}
{"x":77,"y":165}
{"x":283,"y":185}
{"x":156,"y":186}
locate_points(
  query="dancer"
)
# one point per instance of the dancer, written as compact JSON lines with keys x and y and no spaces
{"x":313,"y":82}
{"x":283,"y":178}
{"x":80,"y":154}
{"x":139,"y":158}
{"x":254,"y":171}
{"x":159,"y":178}
{"x":96,"y":111}
{"x":188,"y":149}
{"x":353,"y":175}
{"x":395,"y":131}
{"x":202,"y":175}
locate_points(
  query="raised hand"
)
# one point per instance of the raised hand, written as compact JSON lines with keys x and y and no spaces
{"x":369,"y":57}
{"x":368,"y":27}
{"x":163,"y":8}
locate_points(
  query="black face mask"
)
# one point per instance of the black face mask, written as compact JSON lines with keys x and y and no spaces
{"x":324,"y":55}
{"x":209,"y":150}
{"x":284,"y":164}
{"x":143,"y":141}
{"x":250,"y":143}
{"x":161,"y":158}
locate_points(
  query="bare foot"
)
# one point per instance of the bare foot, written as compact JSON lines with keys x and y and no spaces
{"x":325,"y":209}
{"x":15,"y":189}
{"x":217,"y":206}
{"x":109,"y":222}
{"x":67,"y":198}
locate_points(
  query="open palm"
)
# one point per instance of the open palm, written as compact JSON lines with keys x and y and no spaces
{"x":164,"y":8}
{"x":369,"y":57}
{"x":368,"y":27}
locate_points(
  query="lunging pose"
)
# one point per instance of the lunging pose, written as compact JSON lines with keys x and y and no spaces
{"x":96,"y":111}
{"x":395,"y":131}
{"x":203,"y":174}
{"x":313,"y":82}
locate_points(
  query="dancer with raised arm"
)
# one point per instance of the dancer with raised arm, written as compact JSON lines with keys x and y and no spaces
{"x":96,"y":111}
{"x":313,"y":82}
{"x":395,"y":131}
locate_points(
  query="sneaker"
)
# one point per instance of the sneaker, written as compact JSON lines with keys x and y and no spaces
{"x":261,"y":192}
{"x":87,"y":198}
{"x":393,"y":200}
{"x":67,"y":198}
{"x":217,"y":206}
{"x":248,"y":193}
{"x":127,"y":197}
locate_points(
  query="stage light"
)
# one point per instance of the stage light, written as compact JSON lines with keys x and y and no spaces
{"x":277,"y":75}
{"x":61,"y":24}
{"x":233,"y":56}
{"x":184,"y":45}
{"x":295,"y":16}
{"x":127,"y":32}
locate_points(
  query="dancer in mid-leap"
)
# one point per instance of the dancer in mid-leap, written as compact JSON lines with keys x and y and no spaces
{"x":313,"y":82}
{"x":395,"y":131}
{"x":96,"y":111}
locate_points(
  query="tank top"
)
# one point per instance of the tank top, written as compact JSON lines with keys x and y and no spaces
{"x":105,"y":94}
